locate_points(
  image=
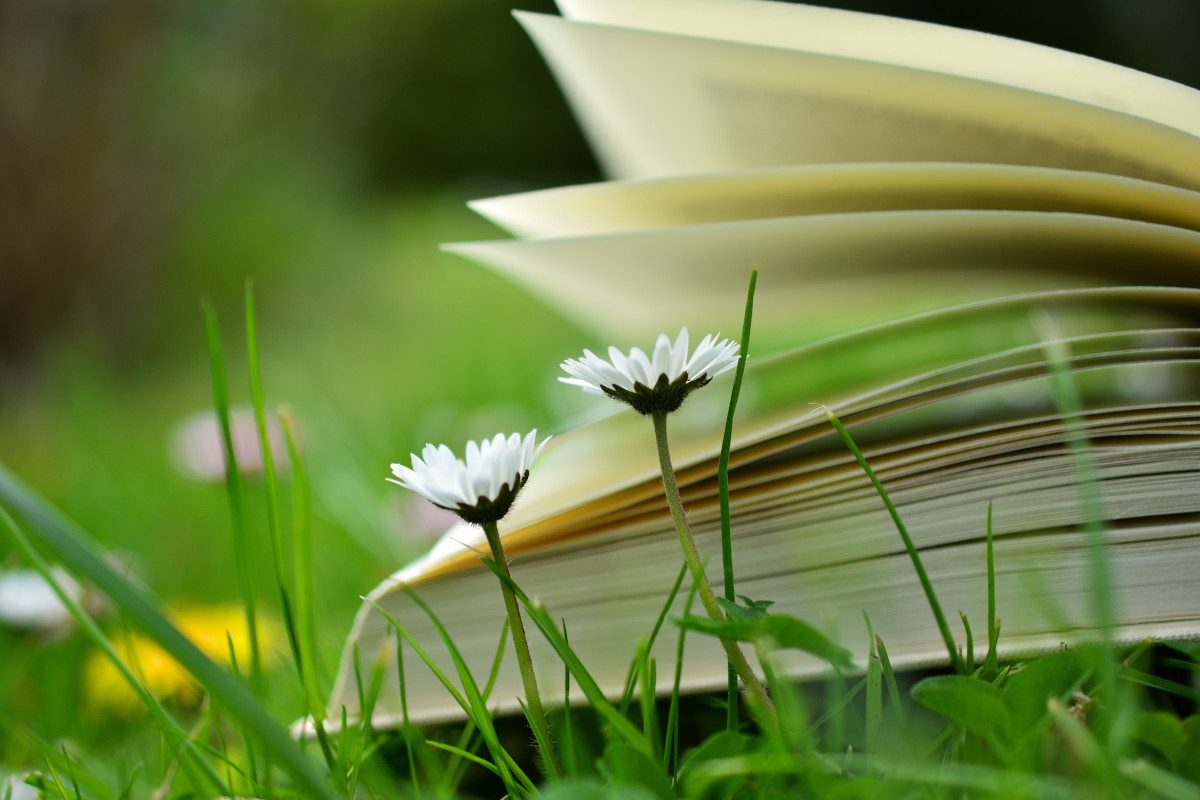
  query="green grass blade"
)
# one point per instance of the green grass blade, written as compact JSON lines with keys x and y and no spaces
{"x":1159,"y":782}
{"x":1100,"y":590}
{"x":1083,"y":465}
{"x":570,"y":769}
{"x":646,"y":683}
{"x":1083,"y":745}
{"x":970,"y":649}
{"x":1162,"y":684}
{"x":447,"y":684}
{"x":731,"y":721}
{"x":236,"y":491}
{"x":91,"y":784}
{"x":302,"y":582}
{"x":68,"y":544}
{"x":408,"y":748}
{"x":874,"y":700}
{"x":926,"y":585}
{"x":989,"y":781}
{"x":788,"y":733}
{"x":359,"y":688}
{"x":993,"y":629}
{"x":468,"y":756}
{"x":474,"y":698}
{"x":58,"y":784}
{"x":70,"y":769}
{"x":543,"y":745}
{"x":833,"y":713}
{"x":270,"y":478}
{"x":457,"y":769}
{"x":497,"y":660}
{"x":599,"y":703}
{"x":176,"y":737}
{"x":376,"y":685}
{"x":483,"y":718}
{"x":251,"y":754}
{"x":889,"y":677}
{"x":368,"y":711}
{"x":631,"y":679}
{"x":463,"y":703}
{"x":671,"y":745}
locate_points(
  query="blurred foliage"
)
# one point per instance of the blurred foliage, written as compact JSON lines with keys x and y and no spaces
{"x":135,"y":130}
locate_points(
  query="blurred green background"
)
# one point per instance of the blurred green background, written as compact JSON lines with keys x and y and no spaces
{"x":154,"y":151}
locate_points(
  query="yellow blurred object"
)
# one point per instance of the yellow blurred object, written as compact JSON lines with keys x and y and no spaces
{"x":208,"y":627}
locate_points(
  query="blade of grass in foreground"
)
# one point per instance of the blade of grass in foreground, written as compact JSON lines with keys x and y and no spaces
{"x":874,"y":707}
{"x":70,"y":545}
{"x":568,"y":733}
{"x":235,"y":490}
{"x":467,"y":740}
{"x":408,"y":749}
{"x":962,"y":776}
{"x":475,"y":697}
{"x":1083,"y":465}
{"x":1087,"y":483}
{"x":731,"y":720}
{"x":197,"y":768}
{"x":599,"y":703}
{"x":274,"y":523}
{"x":302,"y":578}
{"x":631,"y":680}
{"x":478,"y":714}
{"x":671,"y":745}
{"x":926,"y":585}
{"x":370,"y":698}
{"x":889,"y":677}
{"x":993,"y":628}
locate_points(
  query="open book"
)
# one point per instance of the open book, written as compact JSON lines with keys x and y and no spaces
{"x":913,"y":197}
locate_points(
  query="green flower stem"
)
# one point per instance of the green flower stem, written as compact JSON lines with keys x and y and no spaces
{"x":754,"y":688}
{"x":521,"y":644}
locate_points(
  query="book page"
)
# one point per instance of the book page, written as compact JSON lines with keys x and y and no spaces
{"x":828,"y":561}
{"x":922,"y":45}
{"x":657,"y":104}
{"x":607,"y":465}
{"x":794,"y":531}
{"x":617,"y":206}
{"x":832,"y":272}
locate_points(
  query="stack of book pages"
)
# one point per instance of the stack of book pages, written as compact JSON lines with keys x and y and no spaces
{"x":915,"y":198}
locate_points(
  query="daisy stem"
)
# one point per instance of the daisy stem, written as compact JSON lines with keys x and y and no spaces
{"x":754,"y":688}
{"x":521,"y":644}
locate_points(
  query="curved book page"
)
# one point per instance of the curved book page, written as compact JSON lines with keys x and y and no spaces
{"x":955,"y":412}
{"x":921,"y":45}
{"x":832,"y":272}
{"x":657,"y":104}
{"x":620,"y":206}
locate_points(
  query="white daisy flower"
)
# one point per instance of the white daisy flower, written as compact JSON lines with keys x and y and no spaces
{"x":658,"y":383}
{"x":482,"y":488}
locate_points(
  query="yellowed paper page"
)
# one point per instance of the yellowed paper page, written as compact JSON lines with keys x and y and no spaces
{"x":921,"y":45}
{"x":658,"y":104}
{"x":835,"y":272}
{"x":617,"y":206}
{"x":829,"y":561}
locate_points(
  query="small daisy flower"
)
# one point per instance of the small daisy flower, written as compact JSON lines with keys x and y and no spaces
{"x":658,"y":383}
{"x":480,"y":489}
